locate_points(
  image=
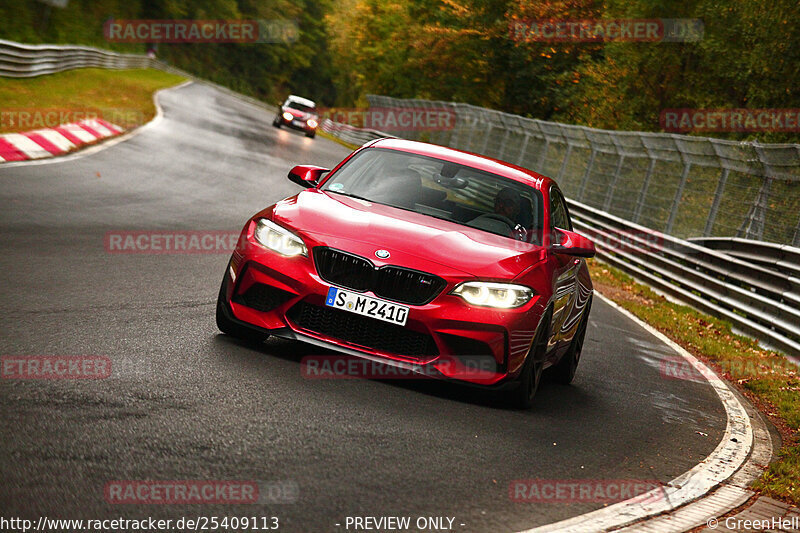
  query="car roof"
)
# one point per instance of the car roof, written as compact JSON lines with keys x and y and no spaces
{"x":487,"y":164}
{"x":301,"y":100}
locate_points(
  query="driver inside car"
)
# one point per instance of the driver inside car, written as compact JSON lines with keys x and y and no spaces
{"x":506,"y":217}
{"x":507,"y":203}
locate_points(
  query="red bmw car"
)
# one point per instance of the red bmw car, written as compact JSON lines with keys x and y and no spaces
{"x":438,"y":261}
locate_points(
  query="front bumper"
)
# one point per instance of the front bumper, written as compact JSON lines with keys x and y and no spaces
{"x":445,"y":338}
{"x":297,"y":124}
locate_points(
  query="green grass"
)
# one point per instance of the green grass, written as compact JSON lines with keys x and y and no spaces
{"x":330,"y":137}
{"x":123,"y":97}
{"x":766,"y":377}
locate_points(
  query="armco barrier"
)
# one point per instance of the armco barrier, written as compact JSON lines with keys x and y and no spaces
{"x":758,"y":300}
{"x":28,"y":60}
{"x":350,"y":134}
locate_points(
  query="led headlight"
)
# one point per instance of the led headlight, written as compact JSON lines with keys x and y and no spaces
{"x":278,"y":239}
{"x":312,"y":123}
{"x":486,"y":294}
{"x":288,"y":116}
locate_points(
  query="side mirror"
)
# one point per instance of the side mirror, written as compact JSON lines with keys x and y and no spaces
{"x":571,"y":243}
{"x":307,"y":175}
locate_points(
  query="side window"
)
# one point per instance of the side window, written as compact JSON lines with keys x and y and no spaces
{"x":564,"y":209}
{"x":558,"y":211}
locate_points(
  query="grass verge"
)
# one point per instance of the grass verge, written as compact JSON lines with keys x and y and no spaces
{"x":123,"y":97}
{"x":330,"y":137}
{"x":767,"y":378}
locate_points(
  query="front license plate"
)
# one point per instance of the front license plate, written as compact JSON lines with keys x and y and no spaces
{"x":367,"y":306}
{"x":298,"y":122}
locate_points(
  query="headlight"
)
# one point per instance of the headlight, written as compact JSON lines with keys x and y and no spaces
{"x":279,"y":239}
{"x":312,"y":123}
{"x":288,"y":116}
{"x":485,"y":294}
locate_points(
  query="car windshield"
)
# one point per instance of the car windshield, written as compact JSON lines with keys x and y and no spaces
{"x":300,"y":107}
{"x":442,"y":189}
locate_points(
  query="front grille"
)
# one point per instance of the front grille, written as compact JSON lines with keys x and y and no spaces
{"x":362,"y":331}
{"x":262,"y":297}
{"x":343,"y":269}
{"x":391,"y":282}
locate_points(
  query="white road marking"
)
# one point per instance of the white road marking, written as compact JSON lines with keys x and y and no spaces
{"x":80,"y":133}
{"x":730,"y":454}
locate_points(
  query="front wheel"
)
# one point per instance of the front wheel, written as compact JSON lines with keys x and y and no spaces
{"x":232,"y":328}
{"x":564,"y":371}
{"x":531,"y":375}
{"x":311,"y":134}
{"x":276,"y":123}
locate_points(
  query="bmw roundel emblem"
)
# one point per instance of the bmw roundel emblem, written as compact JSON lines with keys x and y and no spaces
{"x":382,"y":254}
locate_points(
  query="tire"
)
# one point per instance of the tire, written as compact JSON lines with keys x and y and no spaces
{"x":232,"y":328}
{"x":531,"y":376}
{"x":564,"y":371}
{"x":276,"y":123}
{"x":311,"y":135}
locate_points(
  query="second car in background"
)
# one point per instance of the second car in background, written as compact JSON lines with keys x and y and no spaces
{"x":299,"y":113}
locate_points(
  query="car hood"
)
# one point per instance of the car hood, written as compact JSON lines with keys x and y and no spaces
{"x":363,"y":227}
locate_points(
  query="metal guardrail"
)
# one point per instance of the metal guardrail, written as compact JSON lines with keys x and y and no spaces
{"x":758,"y":300}
{"x":29,"y":60}
{"x":351,"y":134}
{"x":779,"y":257}
{"x":18,"y":60}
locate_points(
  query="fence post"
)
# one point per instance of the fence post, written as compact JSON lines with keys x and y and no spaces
{"x":543,"y":157}
{"x":617,"y":172}
{"x":582,"y":191}
{"x":473,"y":127}
{"x":486,"y":139}
{"x":521,"y":158}
{"x":564,"y":163}
{"x":466,"y":129}
{"x":503,"y":144}
{"x":712,"y":215}
{"x":643,"y":191}
{"x":796,"y":240}
{"x":753,"y":226}
{"x":687,"y":166}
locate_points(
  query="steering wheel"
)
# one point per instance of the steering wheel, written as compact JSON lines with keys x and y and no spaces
{"x":502,"y":218}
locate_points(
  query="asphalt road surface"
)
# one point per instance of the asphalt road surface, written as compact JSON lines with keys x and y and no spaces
{"x":185,"y":402}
